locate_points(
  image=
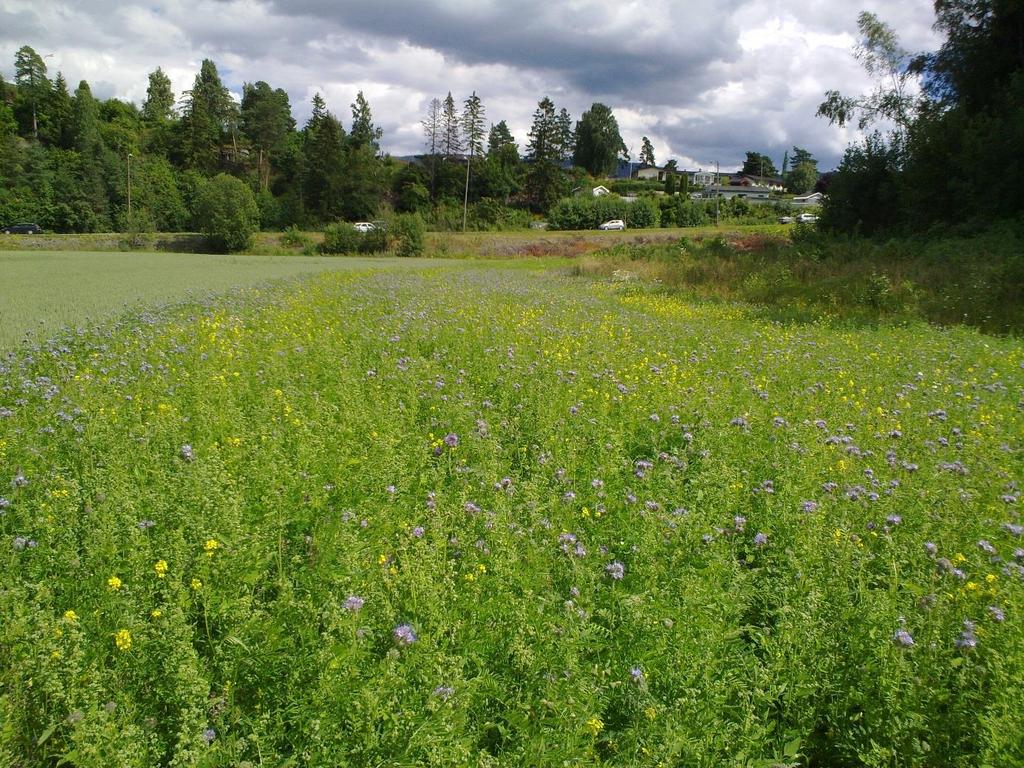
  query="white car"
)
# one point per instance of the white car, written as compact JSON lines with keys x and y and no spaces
{"x":363,"y":226}
{"x":785,"y":219}
{"x":618,"y":224}
{"x":806,"y":218}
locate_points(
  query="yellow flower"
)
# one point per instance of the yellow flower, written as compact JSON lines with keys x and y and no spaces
{"x":123,"y":639}
{"x":211,"y":546}
{"x":70,"y":616}
{"x":990,"y":578}
{"x":160,"y":568}
{"x":156,"y":613}
{"x":971,"y":586}
{"x":197,"y":584}
{"x":595,"y":726}
{"x":114,"y":583}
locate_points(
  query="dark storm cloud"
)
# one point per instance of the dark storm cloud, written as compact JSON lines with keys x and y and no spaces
{"x":630,"y":50}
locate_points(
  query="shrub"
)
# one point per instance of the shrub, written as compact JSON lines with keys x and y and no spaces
{"x":341,"y":238}
{"x":405,"y":234}
{"x":227,"y":213}
{"x":643,"y":213}
{"x":294,"y":237}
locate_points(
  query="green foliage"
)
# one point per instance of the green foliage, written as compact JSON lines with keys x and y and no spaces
{"x":802,"y":178}
{"x":585,"y":212}
{"x":757,"y":164}
{"x":934,"y":168}
{"x":227,"y":213}
{"x":647,"y":153}
{"x":341,"y":238}
{"x":207,"y":114}
{"x":405,"y":234}
{"x":651,"y":538}
{"x":294,"y":237}
{"x":598,"y":143}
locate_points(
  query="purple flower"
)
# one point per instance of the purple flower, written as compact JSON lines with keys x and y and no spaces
{"x":186,"y":453}
{"x":760,"y":539}
{"x":967,"y":639}
{"x":616,"y":570}
{"x":444,"y":692}
{"x":418,"y":532}
{"x":809,"y":506}
{"x":209,"y":735}
{"x":353,"y":603}
{"x":894,"y":519}
{"x":930,"y":548}
{"x":903,"y":638}
{"x":4,"y":503}
{"x":996,"y":613}
{"x":404,"y":634}
{"x":19,"y":481}
{"x":985,"y":546}
{"x":739,"y":522}
{"x":451,"y":440}
{"x":1013,"y":529}
{"x":636,"y":675}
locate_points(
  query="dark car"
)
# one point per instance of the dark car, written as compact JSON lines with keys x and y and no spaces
{"x":23,"y":229}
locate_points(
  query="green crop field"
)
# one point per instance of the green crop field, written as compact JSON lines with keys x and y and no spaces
{"x":477,"y":515}
{"x":41,"y":291}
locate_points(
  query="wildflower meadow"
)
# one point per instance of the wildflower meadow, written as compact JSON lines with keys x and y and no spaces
{"x":492,"y":516}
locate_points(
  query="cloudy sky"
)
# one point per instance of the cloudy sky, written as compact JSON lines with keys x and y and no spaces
{"x":705,"y":80}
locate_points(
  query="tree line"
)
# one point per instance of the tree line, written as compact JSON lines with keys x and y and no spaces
{"x":74,"y":163}
{"x":946,"y":128}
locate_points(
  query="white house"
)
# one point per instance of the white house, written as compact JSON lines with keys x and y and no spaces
{"x":600,"y":191}
{"x":814,"y":198}
{"x":751,"y":193}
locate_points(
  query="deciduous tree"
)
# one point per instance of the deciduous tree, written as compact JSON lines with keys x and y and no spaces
{"x":598,"y":143}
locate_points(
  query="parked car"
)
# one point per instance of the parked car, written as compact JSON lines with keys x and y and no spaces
{"x":618,"y":224}
{"x":363,"y":226}
{"x":23,"y":229}
{"x":785,"y":219}
{"x":806,"y":218}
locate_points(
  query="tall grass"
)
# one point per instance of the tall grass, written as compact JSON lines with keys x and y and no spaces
{"x":973,"y":279}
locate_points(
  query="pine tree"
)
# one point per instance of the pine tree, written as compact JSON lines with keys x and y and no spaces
{"x":364,"y":132}
{"x":473,"y":130}
{"x":432,"y":133}
{"x":323,"y":163}
{"x":30,"y":77}
{"x":209,"y":118}
{"x":451,"y":138}
{"x":647,"y":153}
{"x":159,"y":104}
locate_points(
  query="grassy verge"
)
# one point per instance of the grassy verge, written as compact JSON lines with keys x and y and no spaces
{"x":975,"y":279}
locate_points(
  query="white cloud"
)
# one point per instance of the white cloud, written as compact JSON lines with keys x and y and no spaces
{"x":704,"y":80}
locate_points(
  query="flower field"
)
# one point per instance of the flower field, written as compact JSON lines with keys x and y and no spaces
{"x":496,"y":517}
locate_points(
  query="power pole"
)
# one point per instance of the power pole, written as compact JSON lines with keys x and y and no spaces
{"x":718,"y":191}
{"x":129,"y":189}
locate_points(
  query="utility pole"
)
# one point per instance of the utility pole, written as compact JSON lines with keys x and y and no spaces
{"x":718,"y":191}
{"x":129,"y":189}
